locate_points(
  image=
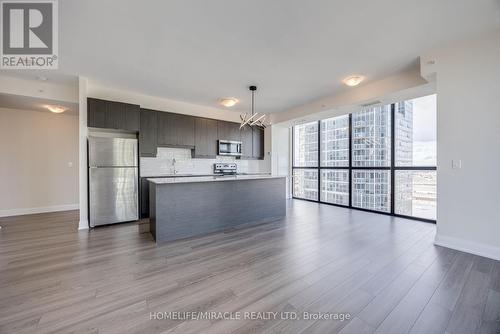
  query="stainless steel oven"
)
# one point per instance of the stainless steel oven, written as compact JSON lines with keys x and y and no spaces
{"x":229,"y":147}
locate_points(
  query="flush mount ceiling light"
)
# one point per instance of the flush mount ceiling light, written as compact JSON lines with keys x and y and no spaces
{"x":353,"y":80}
{"x":56,"y":109}
{"x":254,"y":119}
{"x":228,"y":101}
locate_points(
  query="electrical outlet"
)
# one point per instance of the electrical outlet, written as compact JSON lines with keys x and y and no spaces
{"x":456,"y":164}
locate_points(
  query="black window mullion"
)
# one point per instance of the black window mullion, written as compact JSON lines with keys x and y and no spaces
{"x":293,"y":162}
{"x":319,"y":161}
{"x":305,"y":167}
{"x":393,"y":157}
{"x":416,"y":168}
{"x":350,"y":160}
{"x":293,"y":147}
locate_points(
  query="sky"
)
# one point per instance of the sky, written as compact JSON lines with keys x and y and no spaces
{"x":424,"y":118}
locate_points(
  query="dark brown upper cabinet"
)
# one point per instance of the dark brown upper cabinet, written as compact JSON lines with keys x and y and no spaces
{"x":246,"y":134}
{"x":113,"y":115}
{"x":96,"y":113}
{"x":258,"y":143}
{"x":158,"y":128}
{"x":228,"y":131}
{"x":205,"y":138}
{"x":175,"y":130}
{"x":148,"y":133}
{"x":252,"y":143}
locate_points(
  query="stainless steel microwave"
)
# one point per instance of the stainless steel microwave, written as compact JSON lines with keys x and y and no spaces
{"x":229,"y":147}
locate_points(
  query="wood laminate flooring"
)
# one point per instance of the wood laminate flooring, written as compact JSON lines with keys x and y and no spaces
{"x":384,"y":271}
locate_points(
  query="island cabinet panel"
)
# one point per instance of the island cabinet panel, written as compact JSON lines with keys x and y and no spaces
{"x":205,"y":145}
{"x":113,"y":115}
{"x":220,"y":205}
{"x":148,"y":133}
{"x":175,"y":130}
{"x":258,"y":143}
{"x":246,"y":143}
{"x":228,"y":131}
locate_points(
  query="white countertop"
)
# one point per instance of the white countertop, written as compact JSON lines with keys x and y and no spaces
{"x":195,"y":179}
{"x":196,"y":175}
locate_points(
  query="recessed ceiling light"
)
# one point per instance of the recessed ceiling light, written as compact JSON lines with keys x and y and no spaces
{"x":353,"y":80}
{"x":56,"y":109}
{"x":228,"y":101}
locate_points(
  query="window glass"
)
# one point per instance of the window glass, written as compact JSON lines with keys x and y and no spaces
{"x":335,"y":186}
{"x":415,"y":132}
{"x":371,"y":189}
{"x":371,"y":137}
{"x":335,"y":142}
{"x":305,"y":150}
{"x":416,"y":193}
{"x":305,"y":183}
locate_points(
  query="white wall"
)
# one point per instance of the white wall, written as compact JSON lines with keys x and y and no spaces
{"x":42,"y":89}
{"x":468,"y":89}
{"x":82,"y":153}
{"x":281,"y":154}
{"x":162,"y":164}
{"x":36,"y":149}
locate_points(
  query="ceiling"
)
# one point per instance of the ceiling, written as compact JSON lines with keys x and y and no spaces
{"x":295,"y":51}
{"x":55,"y":77}
{"x":11,"y":101}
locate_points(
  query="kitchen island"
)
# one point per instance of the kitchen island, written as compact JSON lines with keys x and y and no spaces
{"x":187,"y":207}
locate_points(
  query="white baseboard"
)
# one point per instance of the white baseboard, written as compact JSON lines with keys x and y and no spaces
{"x":27,"y":211}
{"x":83,"y":225}
{"x":467,"y":246}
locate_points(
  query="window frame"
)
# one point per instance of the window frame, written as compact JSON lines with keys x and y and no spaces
{"x":350,"y":168}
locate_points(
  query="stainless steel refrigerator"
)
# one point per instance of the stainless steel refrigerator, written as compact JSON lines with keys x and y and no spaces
{"x":113,"y":180}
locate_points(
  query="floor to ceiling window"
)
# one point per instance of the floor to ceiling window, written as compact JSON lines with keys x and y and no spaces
{"x":305,"y":161}
{"x":415,"y":158}
{"x":334,"y":160}
{"x":380,"y":159}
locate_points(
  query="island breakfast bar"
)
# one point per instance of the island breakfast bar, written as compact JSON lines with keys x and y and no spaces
{"x":187,"y":207}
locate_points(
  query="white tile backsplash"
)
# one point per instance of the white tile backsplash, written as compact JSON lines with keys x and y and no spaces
{"x":185,"y":164}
